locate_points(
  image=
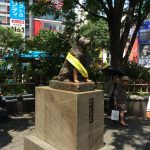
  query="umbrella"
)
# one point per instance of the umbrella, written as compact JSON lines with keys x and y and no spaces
{"x":111,"y":71}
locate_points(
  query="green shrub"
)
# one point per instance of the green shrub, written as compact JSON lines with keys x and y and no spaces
{"x":137,"y":72}
{"x":17,"y":88}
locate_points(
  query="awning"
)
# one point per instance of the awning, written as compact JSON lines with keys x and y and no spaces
{"x":30,"y":55}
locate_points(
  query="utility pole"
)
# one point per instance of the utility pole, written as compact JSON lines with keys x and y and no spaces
{"x":31,"y":26}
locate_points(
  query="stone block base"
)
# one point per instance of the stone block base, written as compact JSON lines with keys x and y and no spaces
{"x":33,"y":143}
{"x":71,"y":86}
{"x":66,"y":120}
{"x":70,"y":120}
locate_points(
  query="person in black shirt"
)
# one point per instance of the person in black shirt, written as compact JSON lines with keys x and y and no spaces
{"x":112,"y":87}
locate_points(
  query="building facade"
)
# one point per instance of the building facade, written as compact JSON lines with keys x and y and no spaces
{"x":32,"y":24}
{"x":47,"y":23}
{"x":144,"y":44}
{"x":4,"y":13}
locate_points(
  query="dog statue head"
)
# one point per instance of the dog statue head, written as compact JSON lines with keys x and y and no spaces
{"x":82,"y":42}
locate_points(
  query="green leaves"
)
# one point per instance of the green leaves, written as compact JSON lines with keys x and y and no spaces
{"x":10,"y":39}
{"x":56,"y":45}
{"x":51,"y":42}
{"x":98,"y":33}
{"x":120,"y":15}
{"x":136,"y":72}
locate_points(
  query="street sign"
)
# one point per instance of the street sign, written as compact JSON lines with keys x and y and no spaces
{"x":17,"y":10}
{"x":18,"y":26}
{"x":17,"y":17}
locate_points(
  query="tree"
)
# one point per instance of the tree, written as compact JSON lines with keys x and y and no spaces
{"x":98,"y":33}
{"x":13,"y":44}
{"x":10,"y":39}
{"x":134,"y":13}
{"x":55,"y":44}
{"x":120,"y":15}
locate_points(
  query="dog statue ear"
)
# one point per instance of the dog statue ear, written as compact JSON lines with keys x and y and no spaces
{"x":78,"y":37}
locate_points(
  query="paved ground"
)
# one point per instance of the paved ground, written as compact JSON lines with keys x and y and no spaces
{"x":13,"y":132}
{"x":132,"y":138}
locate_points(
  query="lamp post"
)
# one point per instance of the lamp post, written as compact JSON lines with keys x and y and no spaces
{"x":31,"y":26}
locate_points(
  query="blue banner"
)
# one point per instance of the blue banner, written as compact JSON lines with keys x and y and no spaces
{"x":17,"y":10}
{"x":145,"y":25}
{"x":144,"y":33}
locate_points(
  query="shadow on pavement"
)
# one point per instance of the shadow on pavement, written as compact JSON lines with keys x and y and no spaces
{"x":14,"y":127}
{"x":133,"y":137}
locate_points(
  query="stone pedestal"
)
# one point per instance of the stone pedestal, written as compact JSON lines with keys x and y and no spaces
{"x":136,"y":105}
{"x":71,"y":86}
{"x":67,"y":120}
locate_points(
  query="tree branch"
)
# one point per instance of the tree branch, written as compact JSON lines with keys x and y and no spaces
{"x":91,"y":13}
{"x":104,"y":7}
{"x":132,"y":41}
{"x":128,"y":25}
{"x":138,"y":24}
{"x":118,"y":7}
{"x":109,"y":2}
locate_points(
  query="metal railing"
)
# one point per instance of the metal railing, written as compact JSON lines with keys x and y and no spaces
{"x":132,"y":88}
{"x":136,"y":88}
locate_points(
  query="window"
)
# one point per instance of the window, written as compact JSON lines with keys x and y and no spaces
{"x":27,"y":26}
{"x":3,"y":8}
{"x":2,"y":19}
{"x":4,"y":0}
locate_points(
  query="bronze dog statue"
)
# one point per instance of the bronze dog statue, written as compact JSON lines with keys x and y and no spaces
{"x":69,"y":71}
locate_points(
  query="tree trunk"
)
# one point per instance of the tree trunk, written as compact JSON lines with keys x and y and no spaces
{"x":116,"y":54}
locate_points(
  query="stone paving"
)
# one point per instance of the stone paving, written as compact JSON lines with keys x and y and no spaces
{"x":12,"y":133}
{"x":132,"y":138}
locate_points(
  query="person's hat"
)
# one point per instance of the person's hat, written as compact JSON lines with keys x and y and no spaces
{"x":125,"y":78}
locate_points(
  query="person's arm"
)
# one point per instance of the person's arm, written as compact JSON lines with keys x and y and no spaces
{"x":116,"y":95}
{"x":148,"y":109}
{"x":148,"y":114}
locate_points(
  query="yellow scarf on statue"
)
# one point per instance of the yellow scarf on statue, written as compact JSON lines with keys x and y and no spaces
{"x":76,"y":63}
